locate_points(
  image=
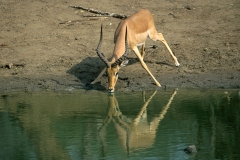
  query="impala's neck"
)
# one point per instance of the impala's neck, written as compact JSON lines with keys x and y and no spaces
{"x":119,"y":40}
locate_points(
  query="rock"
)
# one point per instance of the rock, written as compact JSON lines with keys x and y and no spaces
{"x":190,"y":149}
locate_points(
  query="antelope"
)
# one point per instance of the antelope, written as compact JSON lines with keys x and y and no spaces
{"x":131,"y":33}
{"x":135,"y":132}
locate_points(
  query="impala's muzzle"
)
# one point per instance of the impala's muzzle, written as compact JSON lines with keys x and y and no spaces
{"x":110,"y":90}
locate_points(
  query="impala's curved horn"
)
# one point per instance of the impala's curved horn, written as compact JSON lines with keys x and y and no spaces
{"x":124,"y":56}
{"x":101,"y":56}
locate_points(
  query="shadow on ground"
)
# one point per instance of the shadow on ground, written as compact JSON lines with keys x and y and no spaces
{"x":86,"y":71}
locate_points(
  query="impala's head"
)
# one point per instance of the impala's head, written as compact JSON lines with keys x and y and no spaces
{"x":112,"y":69}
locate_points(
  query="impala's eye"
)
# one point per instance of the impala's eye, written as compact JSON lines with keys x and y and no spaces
{"x":116,"y":74}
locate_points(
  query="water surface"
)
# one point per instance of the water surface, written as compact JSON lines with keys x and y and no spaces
{"x":135,"y":125}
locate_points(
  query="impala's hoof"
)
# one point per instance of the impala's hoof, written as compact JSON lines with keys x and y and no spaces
{"x":177,"y":64}
{"x":158,"y":84}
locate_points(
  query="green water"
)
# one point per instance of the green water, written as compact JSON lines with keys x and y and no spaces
{"x":135,"y":125}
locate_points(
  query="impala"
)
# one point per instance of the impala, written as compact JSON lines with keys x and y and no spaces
{"x":130,"y":33}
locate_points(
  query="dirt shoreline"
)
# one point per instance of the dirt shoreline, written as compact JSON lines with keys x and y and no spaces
{"x":204,"y":36}
{"x":70,"y":83}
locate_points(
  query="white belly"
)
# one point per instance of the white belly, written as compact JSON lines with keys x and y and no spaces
{"x":140,"y":44}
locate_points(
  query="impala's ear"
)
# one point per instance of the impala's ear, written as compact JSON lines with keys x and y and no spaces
{"x":124,"y":63}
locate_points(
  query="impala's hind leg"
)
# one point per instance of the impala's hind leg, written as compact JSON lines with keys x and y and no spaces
{"x":143,"y":50}
{"x":161,"y":38}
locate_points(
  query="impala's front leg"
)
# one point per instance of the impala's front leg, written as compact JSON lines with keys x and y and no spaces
{"x":99,"y":76}
{"x":161,"y":38}
{"x":135,"y":49}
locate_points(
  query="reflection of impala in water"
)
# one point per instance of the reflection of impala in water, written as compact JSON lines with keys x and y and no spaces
{"x":133,"y":133}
